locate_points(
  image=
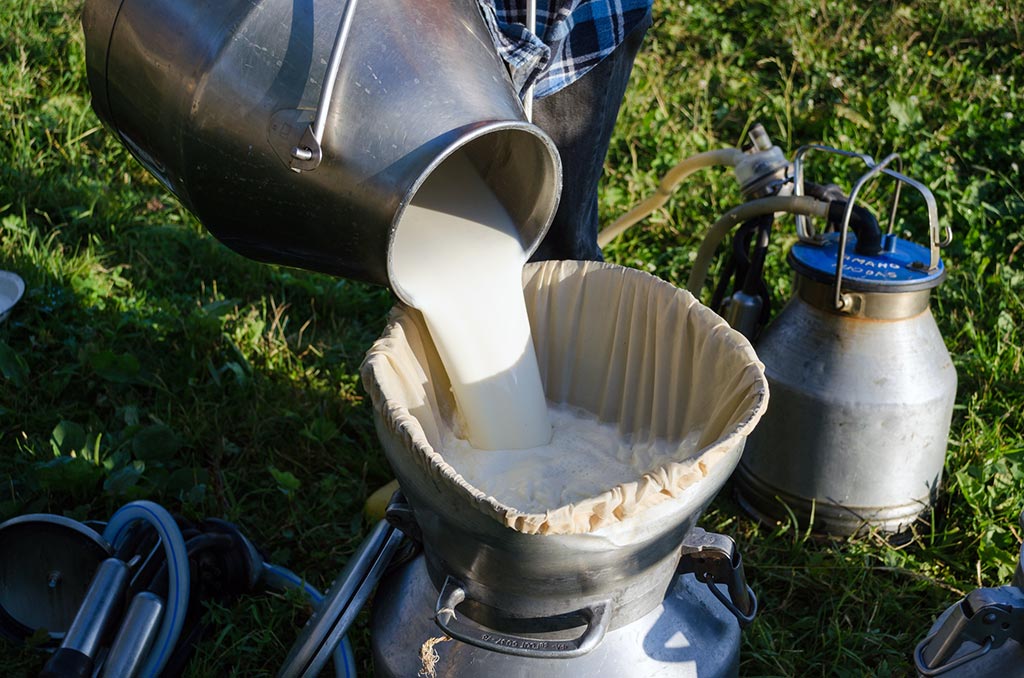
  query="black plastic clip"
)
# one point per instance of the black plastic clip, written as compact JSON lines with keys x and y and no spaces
{"x":400,"y":516}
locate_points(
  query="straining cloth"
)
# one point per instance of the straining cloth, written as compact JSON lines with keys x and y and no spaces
{"x":617,"y":342}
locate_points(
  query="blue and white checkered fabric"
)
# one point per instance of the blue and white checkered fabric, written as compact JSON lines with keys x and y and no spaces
{"x":572,"y":37}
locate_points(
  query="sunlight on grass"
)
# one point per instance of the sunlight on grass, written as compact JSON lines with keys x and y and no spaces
{"x":148,"y":361}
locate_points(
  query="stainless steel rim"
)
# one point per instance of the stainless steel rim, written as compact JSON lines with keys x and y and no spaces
{"x":768,"y":505}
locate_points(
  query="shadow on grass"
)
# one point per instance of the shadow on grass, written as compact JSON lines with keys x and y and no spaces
{"x":160,"y":325}
{"x":190,"y":373}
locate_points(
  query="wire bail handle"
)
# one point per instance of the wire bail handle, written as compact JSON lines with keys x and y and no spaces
{"x":937,"y":238}
{"x":306,"y":156}
{"x":985,"y":617}
{"x":714,"y":559}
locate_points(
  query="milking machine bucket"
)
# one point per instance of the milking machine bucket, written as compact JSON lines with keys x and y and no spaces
{"x":980,"y":636}
{"x":297,"y":132}
{"x":127,"y":598}
{"x":862,"y":384}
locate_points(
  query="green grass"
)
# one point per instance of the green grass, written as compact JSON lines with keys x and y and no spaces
{"x":147,"y":360}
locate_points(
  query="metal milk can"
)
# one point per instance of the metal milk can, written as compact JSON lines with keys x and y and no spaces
{"x":298,"y":131}
{"x":862,"y":384}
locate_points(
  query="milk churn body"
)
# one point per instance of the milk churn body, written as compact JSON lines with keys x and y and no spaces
{"x":689,"y":635}
{"x":862,"y":398}
{"x":212,"y":96}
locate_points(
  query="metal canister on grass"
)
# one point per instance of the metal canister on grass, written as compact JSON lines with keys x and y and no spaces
{"x":862,"y":384}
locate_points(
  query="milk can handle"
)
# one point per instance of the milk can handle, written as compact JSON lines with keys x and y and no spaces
{"x":714,"y":559}
{"x":806,"y":232}
{"x":308,"y":154}
{"x":935,"y":239}
{"x":597,"y":617}
{"x":985,"y":617}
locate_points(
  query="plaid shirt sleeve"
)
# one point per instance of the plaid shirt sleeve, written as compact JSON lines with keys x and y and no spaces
{"x":572,"y":37}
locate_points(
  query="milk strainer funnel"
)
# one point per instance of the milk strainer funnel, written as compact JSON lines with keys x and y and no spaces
{"x":627,"y":347}
{"x":224,"y":103}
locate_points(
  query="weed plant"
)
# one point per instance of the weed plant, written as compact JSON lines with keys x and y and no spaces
{"x":148,"y":361}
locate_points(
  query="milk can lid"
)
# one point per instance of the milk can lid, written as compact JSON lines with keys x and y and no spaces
{"x":901,"y":266}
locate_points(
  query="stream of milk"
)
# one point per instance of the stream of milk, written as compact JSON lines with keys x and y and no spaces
{"x":457,"y":258}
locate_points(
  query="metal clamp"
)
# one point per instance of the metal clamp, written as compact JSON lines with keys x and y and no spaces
{"x":308,"y":154}
{"x":596,"y":617}
{"x":399,"y":514}
{"x":714,"y":559}
{"x":401,"y":517}
{"x":986,"y":617}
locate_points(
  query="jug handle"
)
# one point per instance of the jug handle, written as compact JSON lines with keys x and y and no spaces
{"x":597,"y":617}
{"x":306,"y":156}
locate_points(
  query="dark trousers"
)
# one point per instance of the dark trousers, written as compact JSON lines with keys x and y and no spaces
{"x":580,"y":120}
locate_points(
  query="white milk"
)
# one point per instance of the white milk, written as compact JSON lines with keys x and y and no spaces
{"x":584,"y":458}
{"x":457,"y":258}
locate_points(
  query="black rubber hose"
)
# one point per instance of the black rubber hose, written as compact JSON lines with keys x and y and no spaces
{"x":722,"y":287}
{"x":826,"y":192}
{"x":862,"y":223}
{"x":755,"y":270}
{"x":219,"y":562}
{"x":741,"y":251}
{"x":193,"y":546}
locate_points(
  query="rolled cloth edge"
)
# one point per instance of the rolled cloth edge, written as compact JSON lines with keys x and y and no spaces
{"x":401,"y":373}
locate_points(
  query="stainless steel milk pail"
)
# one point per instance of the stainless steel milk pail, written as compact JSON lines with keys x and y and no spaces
{"x":219,"y":99}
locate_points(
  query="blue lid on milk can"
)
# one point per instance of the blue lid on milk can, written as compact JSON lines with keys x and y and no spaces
{"x":900,"y":266}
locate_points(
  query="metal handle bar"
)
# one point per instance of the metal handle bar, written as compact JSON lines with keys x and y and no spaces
{"x":714,"y":559}
{"x":803,"y":224}
{"x":845,"y":229}
{"x":596,"y":616}
{"x":936,"y":239}
{"x":806,"y":232}
{"x":926,"y":669}
{"x":347,"y":596}
{"x":933,"y":220}
{"x":308,"y":154}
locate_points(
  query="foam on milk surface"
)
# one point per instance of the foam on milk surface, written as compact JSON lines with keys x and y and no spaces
{"x":458,"y":259}
{"x":584,"y":458}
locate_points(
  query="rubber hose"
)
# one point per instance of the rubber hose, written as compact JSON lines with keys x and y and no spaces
{"x":793,"y":204}
{"x":178,"y":574}
{"x":725,"y":157}
{"x":863,"y":223}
